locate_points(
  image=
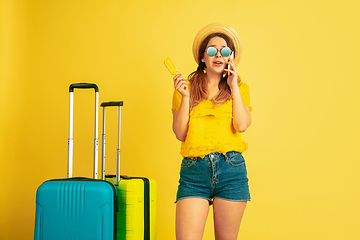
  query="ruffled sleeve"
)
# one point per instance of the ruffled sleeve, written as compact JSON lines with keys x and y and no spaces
{"x":176,"y":100}
{"x":245,"y":94}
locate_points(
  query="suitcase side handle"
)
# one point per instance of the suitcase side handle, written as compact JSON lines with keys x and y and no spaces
{"x":83,"y":85}
{"x":119,"y":104}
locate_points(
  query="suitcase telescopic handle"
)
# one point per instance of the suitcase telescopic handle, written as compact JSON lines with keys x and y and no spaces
{"x":104,"y":105}
{"x":83,"y":85}
{"x":71,"y":125}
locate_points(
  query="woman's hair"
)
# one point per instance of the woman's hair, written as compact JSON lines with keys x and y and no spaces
{"x":198,"y":83}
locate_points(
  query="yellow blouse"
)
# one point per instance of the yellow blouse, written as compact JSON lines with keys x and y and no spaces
{"x":211,"y":128}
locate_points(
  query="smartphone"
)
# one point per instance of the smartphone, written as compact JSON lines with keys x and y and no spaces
{"x":231,"y":58}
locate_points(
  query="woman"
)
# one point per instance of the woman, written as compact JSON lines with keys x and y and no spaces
{"x":210,"y":110}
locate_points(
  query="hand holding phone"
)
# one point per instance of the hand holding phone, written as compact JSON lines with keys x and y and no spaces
{"x":231,"y":58}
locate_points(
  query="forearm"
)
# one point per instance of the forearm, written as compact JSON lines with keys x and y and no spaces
{"x":181,"y":119}
{"x":241,"y":113}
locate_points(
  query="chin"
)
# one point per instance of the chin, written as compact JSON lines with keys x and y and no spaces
{"x":218,"y":70}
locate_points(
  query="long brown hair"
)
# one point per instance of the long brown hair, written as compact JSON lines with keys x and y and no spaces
{"x":198,"y":84}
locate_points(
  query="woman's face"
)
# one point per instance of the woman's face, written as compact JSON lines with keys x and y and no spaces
{"x":216,"y":64}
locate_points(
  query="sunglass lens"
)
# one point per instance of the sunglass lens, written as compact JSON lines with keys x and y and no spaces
{"x":225,"y":51}
{"x":211,"y":51}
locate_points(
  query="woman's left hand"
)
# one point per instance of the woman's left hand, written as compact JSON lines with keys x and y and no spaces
{"x":232,"y":75}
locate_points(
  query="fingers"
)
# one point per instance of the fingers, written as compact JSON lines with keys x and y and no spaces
{"x":232,"y":64}
{"x":180,"y":84}
{"x":177,"y":77}
{"x":232,"y":80}
{"x":178,"y":80}
{"x":232,"y":70}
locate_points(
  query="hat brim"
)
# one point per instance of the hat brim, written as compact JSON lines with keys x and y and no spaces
{"x":217,"y":28}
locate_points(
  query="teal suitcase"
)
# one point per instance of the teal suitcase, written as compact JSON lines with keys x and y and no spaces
{"x":77,"y":208}
{"x":136,"y":219}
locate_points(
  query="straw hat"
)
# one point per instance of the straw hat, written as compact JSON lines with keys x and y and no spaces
{"x":217,"y":28}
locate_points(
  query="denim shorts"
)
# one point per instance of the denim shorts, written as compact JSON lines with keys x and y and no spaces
{"x":214,"y":176}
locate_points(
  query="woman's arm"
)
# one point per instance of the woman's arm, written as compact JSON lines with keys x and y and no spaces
{"x":181,"y":117}
{"x":241,"y":113}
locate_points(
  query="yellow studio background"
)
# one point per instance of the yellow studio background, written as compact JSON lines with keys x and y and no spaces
{"x":300,"y":58}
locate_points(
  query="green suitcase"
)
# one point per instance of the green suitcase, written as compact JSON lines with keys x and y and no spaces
{"x":136,"y":218}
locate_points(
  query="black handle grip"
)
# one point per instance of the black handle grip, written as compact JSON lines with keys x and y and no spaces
{"x":83,"y":85}
{"x":109,"y":104}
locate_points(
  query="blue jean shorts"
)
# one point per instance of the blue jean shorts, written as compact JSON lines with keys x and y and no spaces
{"x":214,"y":176}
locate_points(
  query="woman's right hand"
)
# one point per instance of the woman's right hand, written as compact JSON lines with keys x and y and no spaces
{"x":181,"y":86}
{"x":181,"y":116}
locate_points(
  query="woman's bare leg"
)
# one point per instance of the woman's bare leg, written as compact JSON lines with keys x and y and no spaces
{"x":191,"y":215}
{"x":227,"y":218}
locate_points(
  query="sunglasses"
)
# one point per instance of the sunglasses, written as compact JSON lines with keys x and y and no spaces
{"x":212,"y":51}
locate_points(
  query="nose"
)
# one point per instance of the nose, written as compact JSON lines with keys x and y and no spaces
{"x":218,"y":53}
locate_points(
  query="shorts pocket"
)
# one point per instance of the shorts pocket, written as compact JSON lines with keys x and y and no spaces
{"x":187,"y":163}
{"x":235,"y":159}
